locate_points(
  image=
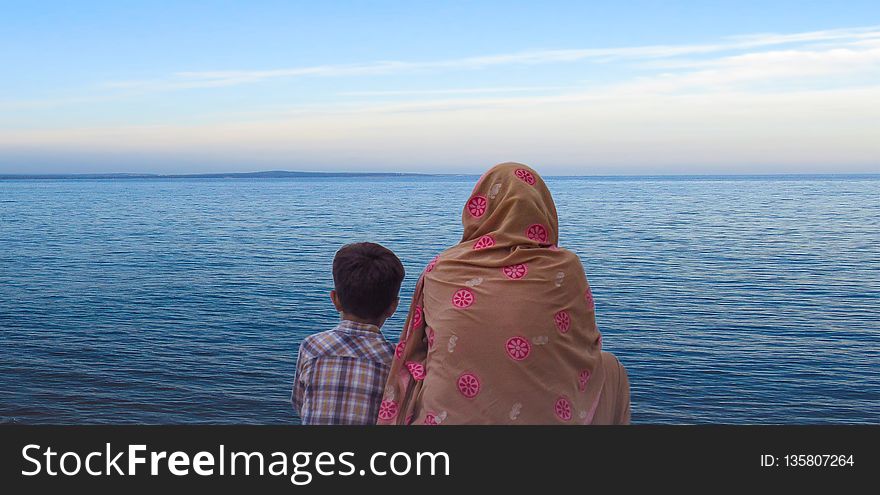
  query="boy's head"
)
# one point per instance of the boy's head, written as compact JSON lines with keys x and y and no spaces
{"x":367,"y":280}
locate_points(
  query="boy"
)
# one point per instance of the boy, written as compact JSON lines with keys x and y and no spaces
{"x":341,"y":373}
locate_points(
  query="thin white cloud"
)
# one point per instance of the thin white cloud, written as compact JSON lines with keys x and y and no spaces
{"x":838,"y":67}
{"x":764,"y":39}
{"x":457,"y":91}
{"x":212,"y":79}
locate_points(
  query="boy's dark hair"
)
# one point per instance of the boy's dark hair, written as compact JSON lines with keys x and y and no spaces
{"x":367,"y":277}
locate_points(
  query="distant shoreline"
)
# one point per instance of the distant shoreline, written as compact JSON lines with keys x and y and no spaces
{"x":272,"y":174}
{"x":285,"y":174}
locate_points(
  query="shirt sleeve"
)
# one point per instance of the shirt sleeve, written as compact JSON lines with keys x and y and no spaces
{"x":297,"y":396}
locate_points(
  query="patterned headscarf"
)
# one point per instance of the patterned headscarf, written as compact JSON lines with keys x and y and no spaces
{"x":502,"y":326}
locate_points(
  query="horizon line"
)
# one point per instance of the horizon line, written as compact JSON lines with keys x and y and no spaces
{"x":280,"y":174}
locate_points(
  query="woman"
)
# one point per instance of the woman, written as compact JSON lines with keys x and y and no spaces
{"x":502,"y":326}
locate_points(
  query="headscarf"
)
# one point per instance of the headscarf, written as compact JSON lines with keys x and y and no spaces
{"x":502,"y":327}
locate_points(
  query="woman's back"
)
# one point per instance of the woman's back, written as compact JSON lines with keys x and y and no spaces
{"x":502,"y":329}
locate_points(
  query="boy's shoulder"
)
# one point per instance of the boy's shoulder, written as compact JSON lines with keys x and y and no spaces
{"x":339,"y":343}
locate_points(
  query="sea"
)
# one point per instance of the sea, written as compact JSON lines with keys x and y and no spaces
{"x":729,"y":299}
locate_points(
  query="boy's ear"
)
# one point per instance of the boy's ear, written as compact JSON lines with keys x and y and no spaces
{"x":335,"y":299}
{"x":391,"y":309}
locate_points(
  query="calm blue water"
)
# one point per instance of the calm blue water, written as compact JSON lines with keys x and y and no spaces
{"x":173,"y":301}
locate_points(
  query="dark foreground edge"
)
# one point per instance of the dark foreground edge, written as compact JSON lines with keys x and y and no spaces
{"x":501,"y":459}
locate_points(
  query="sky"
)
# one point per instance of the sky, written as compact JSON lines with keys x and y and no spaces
{"x":580,"y":88}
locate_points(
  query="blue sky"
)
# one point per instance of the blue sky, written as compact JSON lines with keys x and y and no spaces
{"x":569,"y":87}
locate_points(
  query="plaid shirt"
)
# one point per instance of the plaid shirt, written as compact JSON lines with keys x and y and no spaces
{"x":340,"y":375}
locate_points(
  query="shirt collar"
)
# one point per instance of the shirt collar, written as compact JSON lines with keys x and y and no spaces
{"x":359,"y":328}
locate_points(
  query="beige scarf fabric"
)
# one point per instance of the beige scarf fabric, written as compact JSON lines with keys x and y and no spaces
{"x":502,"y":326}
